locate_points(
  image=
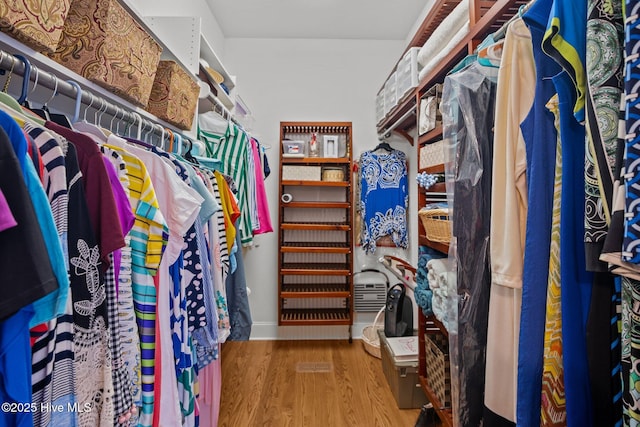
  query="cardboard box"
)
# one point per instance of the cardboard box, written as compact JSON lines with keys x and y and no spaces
{"x":403,"y":377}
{"x":36,"y":23}
{"x":103,"y":43}
{"x":174,"y":96}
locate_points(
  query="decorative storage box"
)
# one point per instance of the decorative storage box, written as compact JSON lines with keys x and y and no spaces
{"x":301,"y":173}
{"x":402,"y":377}
{"x":174,"y":96}
{"x":407,"y":72}
{"x":104,"y":44}
{"x":37,"y":23}
{"x":333,"y":174}
{"x":438,"y":367}
{"x":431,"y":154}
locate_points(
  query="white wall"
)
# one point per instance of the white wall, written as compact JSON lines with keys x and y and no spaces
{"x":309,"y":80}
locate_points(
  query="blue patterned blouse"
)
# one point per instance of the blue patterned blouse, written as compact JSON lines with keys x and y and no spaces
{"x":384,"y":198}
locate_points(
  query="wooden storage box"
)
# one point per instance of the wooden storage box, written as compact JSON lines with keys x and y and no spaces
{"x":103,"y":43}
{"x":36,"y":23}
{"x":301,"y":173}
{"x":438,"y":367}
{"x":174,"y":95}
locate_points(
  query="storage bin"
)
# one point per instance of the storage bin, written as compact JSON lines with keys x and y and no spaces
{"x":403,"y":377}
{"x":333,"y":174}
{"x":380,"y":113}
{"x":174,"y":95}
{"x":390,"y":96}
{"x":438,"y":367}
{"x":293,"y":148}
{"x":103,"y":43}
{"x":36,"y":23}
{"x":429,"y":115}
{"x":407,"y":72}
{"x":431,"y":154}
{"x":437,"y":224}
{"x":301,"y":173}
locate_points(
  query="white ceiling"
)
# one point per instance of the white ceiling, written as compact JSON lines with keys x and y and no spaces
{"x":317,"y":19}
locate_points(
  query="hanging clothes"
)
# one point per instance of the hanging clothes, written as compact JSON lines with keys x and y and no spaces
{"x":509,"y":206}
{"x":384,"y":198}
{"x":469,"y":132}
{"x":540,"y":138}
{"x":565,"y":42}
{"x":233,"y":149}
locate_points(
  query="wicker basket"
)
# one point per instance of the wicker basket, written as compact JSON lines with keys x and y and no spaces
{"x":438,"y":367}
{"x":437,"y":224}
{"x":370,"y":338}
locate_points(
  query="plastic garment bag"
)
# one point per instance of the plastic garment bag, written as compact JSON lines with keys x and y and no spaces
{"x":468,"y":106}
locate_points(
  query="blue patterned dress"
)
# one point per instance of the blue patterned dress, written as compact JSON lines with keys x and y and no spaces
{"x":384,"y":198}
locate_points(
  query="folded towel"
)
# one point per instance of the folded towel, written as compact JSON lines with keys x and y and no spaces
{"x":442,"y":34}
{"x":423,"y":299}
{"x":434,"y":57}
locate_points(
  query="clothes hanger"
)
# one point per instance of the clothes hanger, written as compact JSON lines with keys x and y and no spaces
{"x":26,"y":109}
{"x":147,"y":135}
{"x":383,"y":146}
{"x":490,"y":55}
{"x":10,"y":105}
{"x":25,"y":79}
{"x":6,"y":99}
{"x":89,"y":128}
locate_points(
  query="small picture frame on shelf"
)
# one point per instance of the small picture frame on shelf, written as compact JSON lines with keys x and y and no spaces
{"x":330,"y":146}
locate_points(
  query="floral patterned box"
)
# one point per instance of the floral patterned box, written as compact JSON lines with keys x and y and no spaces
{"x":174,"y":96}
{"x":103,"y":43}
{"x":36,"y":23}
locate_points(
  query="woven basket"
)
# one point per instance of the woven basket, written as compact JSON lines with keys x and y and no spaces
{"x":438,"y":367}
{"x":333,"y":174}
{"x":370,"y":338}
{"x":437,"y":224}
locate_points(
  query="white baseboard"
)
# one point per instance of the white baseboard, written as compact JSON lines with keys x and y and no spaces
{"x":271,"y":331}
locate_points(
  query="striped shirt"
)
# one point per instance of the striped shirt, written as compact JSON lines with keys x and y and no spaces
{"x":53,"y":374}
{"x":233,"y":149}
{"x":148,"y":239}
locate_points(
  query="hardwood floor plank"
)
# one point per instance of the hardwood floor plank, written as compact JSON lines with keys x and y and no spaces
{"x":306,"y":384}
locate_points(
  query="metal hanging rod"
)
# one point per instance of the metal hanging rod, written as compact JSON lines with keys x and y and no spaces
{"x":71,"y":89}
{"x":224,"y":111}
{"x":405,"y":116}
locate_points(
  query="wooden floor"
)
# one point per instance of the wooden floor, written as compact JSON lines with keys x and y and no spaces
{"x":306,"y":384}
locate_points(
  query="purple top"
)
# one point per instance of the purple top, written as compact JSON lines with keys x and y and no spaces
{"x":6,"y":217}
{"x":125,"y":214}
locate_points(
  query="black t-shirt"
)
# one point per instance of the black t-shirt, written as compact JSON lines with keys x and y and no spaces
{"x":25,"y":269}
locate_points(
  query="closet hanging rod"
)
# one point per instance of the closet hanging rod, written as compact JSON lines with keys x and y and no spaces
{"x":12,"y":64}
{"x":226,"y":114}
{"x":405,"y":116}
